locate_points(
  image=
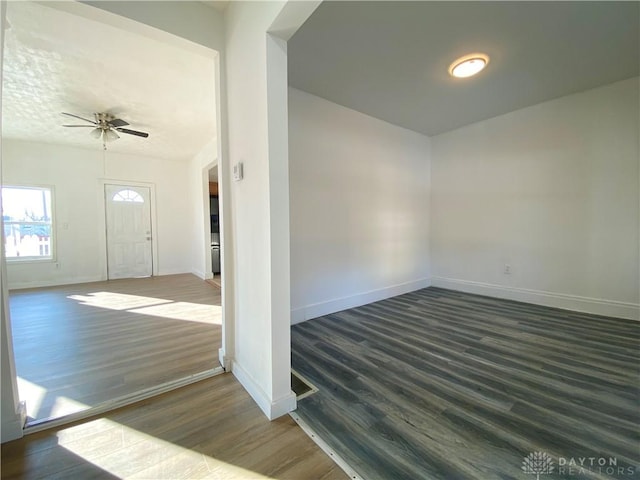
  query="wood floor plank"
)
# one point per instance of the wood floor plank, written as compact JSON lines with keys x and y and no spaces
{"x":211,"y":429}
{"x":440,"y":384}
{"x":78,"y":346}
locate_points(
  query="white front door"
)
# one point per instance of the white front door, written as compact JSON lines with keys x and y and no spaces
{"x":128,"y":211}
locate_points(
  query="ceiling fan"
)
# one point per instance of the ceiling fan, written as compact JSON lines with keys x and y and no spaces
{"x":105,"y":127}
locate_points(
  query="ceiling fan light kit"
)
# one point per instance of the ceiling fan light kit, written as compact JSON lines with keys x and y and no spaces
{"x":105,"y":127}
{"x":110,"y":135}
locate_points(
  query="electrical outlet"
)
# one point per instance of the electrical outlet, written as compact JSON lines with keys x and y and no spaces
{"x":507,"y":269}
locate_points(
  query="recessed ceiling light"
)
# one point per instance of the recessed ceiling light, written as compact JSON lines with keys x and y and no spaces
{"x":468,"y":65}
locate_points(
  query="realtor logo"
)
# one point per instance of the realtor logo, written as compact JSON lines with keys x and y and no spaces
{"x":537,"y":463}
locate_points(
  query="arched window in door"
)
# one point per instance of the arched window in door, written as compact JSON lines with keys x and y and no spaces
{"x":127,"y":196}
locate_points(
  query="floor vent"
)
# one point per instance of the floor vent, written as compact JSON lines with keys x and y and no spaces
{"x":301,"y":386}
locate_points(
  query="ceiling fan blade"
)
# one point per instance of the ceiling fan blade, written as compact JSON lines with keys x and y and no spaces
{"x":117,"y":122}
{"x":132,"y":132}
{"x":76,"y":116}
{"x":90,"y":126}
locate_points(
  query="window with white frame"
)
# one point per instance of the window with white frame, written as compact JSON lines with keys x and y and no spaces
{"x":128,"y":196}
{"x":27,"y":214}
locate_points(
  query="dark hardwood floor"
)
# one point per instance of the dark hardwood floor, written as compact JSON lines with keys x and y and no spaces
{"x":79,"y":346}
{"x":212,"y":429}
{"x":437,"y":384}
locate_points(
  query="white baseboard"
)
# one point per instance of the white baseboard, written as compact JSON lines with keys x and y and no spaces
{"x":283,"y":405}
{"x":337,"y":305}
{"x":609,"y":308}
{"x":271,"y":408}
{"x":54,"y":282}
{"x":12,"y":429}
{"x":201,"y":275}
{"x":225,"y":362}
{"x":172,"y":271}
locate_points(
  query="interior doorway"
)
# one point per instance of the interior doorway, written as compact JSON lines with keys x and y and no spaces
{"x":128,"y":230}
{"x":79,"y":365}
{"x":214,"y":226}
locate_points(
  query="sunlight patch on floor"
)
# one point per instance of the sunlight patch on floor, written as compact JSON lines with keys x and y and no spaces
{"x":192,"y":312}
{"x":34,"y":393}
{"x":155,"y":307}
{"x":128,"y":453}
{"x":65,"y":406}
{"x":35,"y":396}
{"x":116,"y":301}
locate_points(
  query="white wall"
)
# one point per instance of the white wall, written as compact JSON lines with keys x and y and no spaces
{"x":76,"y":176}
{"x":13,"y":414}
{"x":257,"y":127}
{"x":359,"y":193}
{"x":246,"y":27}
{"x":551,"y":190}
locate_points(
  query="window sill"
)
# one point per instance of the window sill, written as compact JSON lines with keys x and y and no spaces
{"x":29,"y":260}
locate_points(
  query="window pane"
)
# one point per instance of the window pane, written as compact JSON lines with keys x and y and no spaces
{"x":27,"y":240}
{"x":26,"y":204}
{"x":127,"y":196}
{"x":27,"y":222}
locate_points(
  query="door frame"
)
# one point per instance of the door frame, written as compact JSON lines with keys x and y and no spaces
{"x":208,"y":271}
{"x":102,"y":224}
{"x":13,"y":414}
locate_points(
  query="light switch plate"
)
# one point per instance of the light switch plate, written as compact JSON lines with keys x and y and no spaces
{"x":237,"y":172}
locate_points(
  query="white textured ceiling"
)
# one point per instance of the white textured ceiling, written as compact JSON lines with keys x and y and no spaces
{"x":389,"y":59}
{"x":59,"y":62}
